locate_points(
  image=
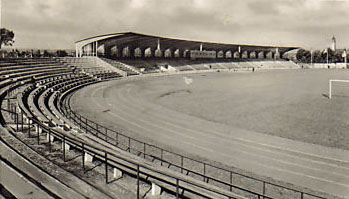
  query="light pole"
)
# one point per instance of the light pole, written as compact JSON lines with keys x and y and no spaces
{"x":326,"y":51}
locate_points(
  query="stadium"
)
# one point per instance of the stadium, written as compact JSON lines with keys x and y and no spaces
{"x":133,"y":115}
{"x":190,"y":126}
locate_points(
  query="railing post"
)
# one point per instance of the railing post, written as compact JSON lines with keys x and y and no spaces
{"x":231,"y":181}
{"x":16,"y":118}
{"x":38,"y":135}
{"x":28,"y":128}
{"x":64,"y":148}
{"x":204,"y":171}
{"x":129,"y":144}
{"x":177,"y":188}
{"x":116,"y":138}
{"x":83,"y":157}
{"x":302,"y":195}
{"x":144,"y":150}
{"x":181,"y":164}
{"x":162,"y":154}
{"x":263,"y":189}
{"x":49,"y":140}
{"x":106,"y":134}
{"x":137,"y":181}
{"x":106,"y":166}
{"x":22,"y":120}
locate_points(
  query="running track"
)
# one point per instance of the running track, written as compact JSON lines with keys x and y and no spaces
{"x":316,"y":167}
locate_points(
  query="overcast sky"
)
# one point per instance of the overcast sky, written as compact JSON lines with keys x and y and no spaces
{"x":56,"y":24}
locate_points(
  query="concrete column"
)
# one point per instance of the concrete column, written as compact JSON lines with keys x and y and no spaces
{"x":117,"y":173}
{"x":67,"y":146}
{"x":38,"y":129}
{"x":155,"y":189}
{"x":88,"y":158}
{"x":30,"y":122}
{"x":48,"y":138}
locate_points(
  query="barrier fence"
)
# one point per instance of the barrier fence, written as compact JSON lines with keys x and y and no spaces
{"x":108,"y":158}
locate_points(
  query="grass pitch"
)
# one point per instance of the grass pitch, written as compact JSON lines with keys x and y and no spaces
{"x":292,"y":104}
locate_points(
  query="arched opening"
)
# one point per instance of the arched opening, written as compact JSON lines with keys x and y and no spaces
{"x":253,"y":55}
{"x":147,"y":52}
{"x":269,"y":55}
{"x":220,"y":54}
{"x":138,"y":52}
{"x":261,"y":55}
{"x":186,"y":53}
{"x":228,"y":54}
{"x":158,"y":53}
{"x":168,"y":53}
{"x":126,"y":52}
{"x":177,"y":53}
{"x":114,"y":51}
{"x":101,"y":50}
{"x":244,"y":55}
{"x":236,"y":55}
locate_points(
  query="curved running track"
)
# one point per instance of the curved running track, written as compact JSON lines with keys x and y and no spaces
{"x":312,"y":166}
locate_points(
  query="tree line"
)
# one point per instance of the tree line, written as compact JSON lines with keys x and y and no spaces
{"x":319,"y":56}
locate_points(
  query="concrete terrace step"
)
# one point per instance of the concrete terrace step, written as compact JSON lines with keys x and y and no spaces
{"x":56,"y":182}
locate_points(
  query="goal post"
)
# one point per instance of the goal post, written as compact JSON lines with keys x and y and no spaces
{"x":330,"y":85}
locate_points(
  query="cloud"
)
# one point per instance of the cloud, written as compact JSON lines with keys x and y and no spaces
{"x":59,"y":23}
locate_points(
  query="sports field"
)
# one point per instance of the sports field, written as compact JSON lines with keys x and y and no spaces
{"x":278,"y":124}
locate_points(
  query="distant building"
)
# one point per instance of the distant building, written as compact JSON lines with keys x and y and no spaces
{"x":333,"y":44}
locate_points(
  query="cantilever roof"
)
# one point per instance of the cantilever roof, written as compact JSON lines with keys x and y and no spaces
{"x":144,"y":41}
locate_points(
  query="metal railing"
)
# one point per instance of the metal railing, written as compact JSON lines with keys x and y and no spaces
{"x":178,"y":183}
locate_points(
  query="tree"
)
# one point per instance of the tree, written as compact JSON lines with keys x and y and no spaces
{"x":61,"y":53}
{"x":6,"y":37}
{"x":303,"y":56}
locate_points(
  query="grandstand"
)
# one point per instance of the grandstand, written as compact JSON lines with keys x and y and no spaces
{"x":37,"y":112}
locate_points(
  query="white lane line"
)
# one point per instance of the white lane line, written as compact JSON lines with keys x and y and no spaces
{"x":223,"y":154}
{"x":142,"y":126}
{"x":209,"y":134}
{"x":251,"y":154}
{"x":236,"y":140}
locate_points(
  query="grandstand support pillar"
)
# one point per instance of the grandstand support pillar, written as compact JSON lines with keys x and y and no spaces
{"x":172,"y":53}
{"x":153,"y":55}
{"x":155,"y":189}
{"x":96,"y":49}
{"x":141,"y":53}
{"x":132,"y":53}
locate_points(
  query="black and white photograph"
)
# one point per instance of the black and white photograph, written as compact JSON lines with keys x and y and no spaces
{"x":174,"y":99}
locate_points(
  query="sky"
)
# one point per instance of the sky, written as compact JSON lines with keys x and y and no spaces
{"x":57,"y":24}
